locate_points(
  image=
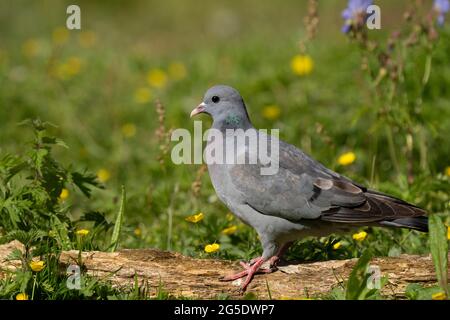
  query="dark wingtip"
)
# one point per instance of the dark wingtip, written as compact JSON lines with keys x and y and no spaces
{"x":415,"y":223}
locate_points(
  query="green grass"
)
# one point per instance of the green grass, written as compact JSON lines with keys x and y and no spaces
{"x":87,"y":89}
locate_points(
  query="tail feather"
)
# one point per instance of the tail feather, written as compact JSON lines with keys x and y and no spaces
{"x":380,"y":209}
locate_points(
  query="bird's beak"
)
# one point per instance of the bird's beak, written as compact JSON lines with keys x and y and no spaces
{"x":200,"y":108}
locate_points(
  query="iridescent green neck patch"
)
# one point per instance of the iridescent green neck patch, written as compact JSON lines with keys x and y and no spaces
{"x":233,"y":120}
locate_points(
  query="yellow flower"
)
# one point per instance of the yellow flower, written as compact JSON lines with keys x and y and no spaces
{"x":137,"y":232}
{"x":347,"y":159}
{"x":337,"y":245}
{"x":82,"y":232}
{"x":129,"y":130}
{"x":30,"y":48}
{"x":73,"y":66}
{"x":37,"y":266}
{"x":142,"y":95}
{"x":22,"y":296}
{"x":64,"y":194}
{"x":302,"y":65}
{"x":271,"y":112}
{"x":87,"y":39}
{"x":211,"y":248}
{"x":230,"y":216}
{"x":103,"y":175}
{"x":229,"y":230}
{"x":439,"y":296}
{"x":448,"y":233}
{"x":68,"y":69}
{"x":447,"y":171}
{"x":60,"y":35}
{"x":360,"y":236}
{"x":157,"y":78}
{"x":196,"y":217}
{"x":177,"y":70}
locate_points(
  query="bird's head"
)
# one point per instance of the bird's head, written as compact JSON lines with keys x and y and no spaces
{"x":225,"y":105}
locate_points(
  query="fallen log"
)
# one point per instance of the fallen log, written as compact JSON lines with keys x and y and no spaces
{"x":182,"y":276}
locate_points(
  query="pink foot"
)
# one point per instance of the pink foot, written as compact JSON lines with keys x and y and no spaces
{"x":250,"y":269}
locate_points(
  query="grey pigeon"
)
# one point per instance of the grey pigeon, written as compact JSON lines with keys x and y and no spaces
{"x":303,"y":198}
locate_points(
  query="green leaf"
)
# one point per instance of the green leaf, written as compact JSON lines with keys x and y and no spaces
{"x":61,"y":233}
{"x":84,"y":181}
{"x":439,"y":250}
{"x":97,"y":217}
{"x":16,"y":254}
{"x":415,"y":291}
{"x":118,"y":224}
{"x":357,"y":282}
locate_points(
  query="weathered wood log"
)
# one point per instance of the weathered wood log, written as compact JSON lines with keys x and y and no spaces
{"x":182,"y":276}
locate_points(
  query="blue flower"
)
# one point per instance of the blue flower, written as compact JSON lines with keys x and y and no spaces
{"x":355,"y":10}
{"x":441,"y":7}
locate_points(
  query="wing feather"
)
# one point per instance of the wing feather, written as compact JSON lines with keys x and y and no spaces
{"x":305,"y":189}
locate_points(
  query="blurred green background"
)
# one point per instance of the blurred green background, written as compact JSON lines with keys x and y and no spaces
{"x":98,"y":86}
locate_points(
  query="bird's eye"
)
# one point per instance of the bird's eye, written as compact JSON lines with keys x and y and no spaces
{"x":215,"y":99}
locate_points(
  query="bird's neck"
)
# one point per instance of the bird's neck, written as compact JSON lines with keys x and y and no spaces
{"x":232,"y":121}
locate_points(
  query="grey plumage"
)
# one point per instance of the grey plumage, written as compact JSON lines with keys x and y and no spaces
{"x":303,"y":198}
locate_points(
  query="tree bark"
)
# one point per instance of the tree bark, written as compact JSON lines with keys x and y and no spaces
{"x":182,"y":276}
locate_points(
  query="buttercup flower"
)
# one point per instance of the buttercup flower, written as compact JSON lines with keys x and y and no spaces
{"x":73,"y":66}
{"x":177,"y":70}
{"x":211,"y":248}
{"x":271,"y":112}
{"x":302,"y":65}
{"x":64,"y":194}
{"x":441,"y":7}
{"x":142,"y":95}
{"x":22,"y":296}
{"x":229,"y":230}
{"x":129,"y":130}
{"x":360,"y":236}
{"x":103,"y":175}
{"x":230,"y":216}
{"x":82,"y":232}
{"x":195,"y":218}
{"x":68,"y":69}
{"x":448,"y":233}
{"x":157,"y":78}
{"x":137,"y":232}
{"x":87,"y":39}
{"x":337,"y":245}
{"x":60,"y":35}
{"x":347,"y":159}
{"x":37,"y":266}
{"x":30,"y":48}
{"x":355,"y":13}
{"x":447,"y":171}
{"x":438,"y":296}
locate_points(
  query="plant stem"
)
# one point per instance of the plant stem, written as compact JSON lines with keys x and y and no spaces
{"x":34,"y":285}
{"x":392,"y":150}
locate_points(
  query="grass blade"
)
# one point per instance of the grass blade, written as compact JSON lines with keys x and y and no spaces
{"x":357,"y":280}
{"x":439,"y":250}
{"x":118,"y":224}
